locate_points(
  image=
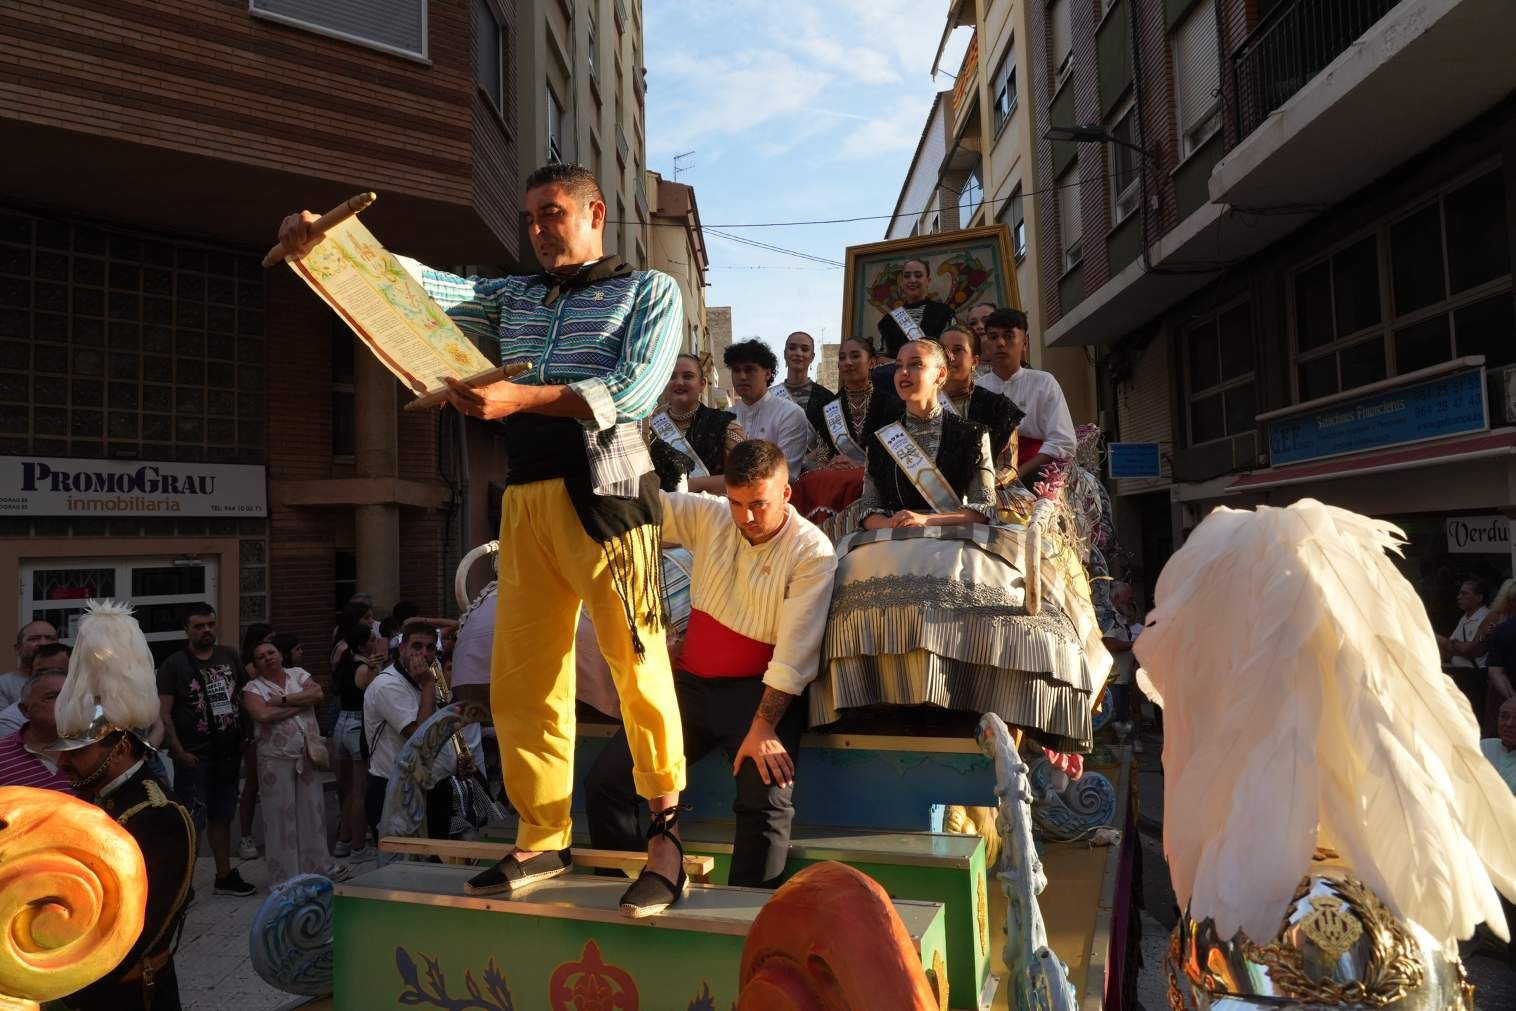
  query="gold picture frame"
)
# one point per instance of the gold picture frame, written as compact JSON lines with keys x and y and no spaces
{"x":954,"y":261}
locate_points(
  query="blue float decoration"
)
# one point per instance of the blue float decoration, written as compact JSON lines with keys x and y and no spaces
{"x":291,"y":938}
{"x":1065,"y":810}
{"x":405,"y":799}
{"x":1106,"y":712}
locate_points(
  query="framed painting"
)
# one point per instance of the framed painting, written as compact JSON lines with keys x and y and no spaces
{"x":964,"y":268}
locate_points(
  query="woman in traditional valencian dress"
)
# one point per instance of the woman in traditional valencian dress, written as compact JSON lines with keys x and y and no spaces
{"x":974,"y":402}
{"x":928,"y":609}
{"x":834,"y":468}
{"x":687,"y":438}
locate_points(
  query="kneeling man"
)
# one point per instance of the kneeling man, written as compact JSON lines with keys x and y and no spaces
{"x":759,"y":593}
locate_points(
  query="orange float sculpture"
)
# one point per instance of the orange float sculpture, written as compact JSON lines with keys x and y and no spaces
{"x":830,"y":940}
{"x":73,"y":892}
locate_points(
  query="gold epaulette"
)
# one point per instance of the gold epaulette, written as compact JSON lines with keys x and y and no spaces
{"x":155,"y":798}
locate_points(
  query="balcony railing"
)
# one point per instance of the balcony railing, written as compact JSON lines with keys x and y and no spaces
{"x":966,"y":83}
{"x":1289,"y":47}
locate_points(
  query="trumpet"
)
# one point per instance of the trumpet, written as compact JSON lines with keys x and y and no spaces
{"x":445,"y":697}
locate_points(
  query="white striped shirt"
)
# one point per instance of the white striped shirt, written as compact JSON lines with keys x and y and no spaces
{"x":775,"y":592}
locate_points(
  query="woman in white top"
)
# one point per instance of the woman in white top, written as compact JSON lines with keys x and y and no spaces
{"x":283,"y":704}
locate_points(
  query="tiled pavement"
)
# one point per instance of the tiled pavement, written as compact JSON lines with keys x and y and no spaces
{"x":214,"y":966}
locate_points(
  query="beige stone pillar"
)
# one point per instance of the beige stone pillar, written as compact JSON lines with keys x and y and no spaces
{"x":376,"y":528}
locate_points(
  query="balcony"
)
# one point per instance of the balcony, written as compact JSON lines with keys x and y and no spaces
{"x":966,"y":84}
{"x":1290,"y":47}
{"x":1331,"y":94}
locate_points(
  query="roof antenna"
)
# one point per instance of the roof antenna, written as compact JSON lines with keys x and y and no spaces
{"x":682,"y":163}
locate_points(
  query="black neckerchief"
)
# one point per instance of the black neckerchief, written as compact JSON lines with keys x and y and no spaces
{"x":602,"y":269}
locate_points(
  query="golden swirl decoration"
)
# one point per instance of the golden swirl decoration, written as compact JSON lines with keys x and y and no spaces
{"x":1392,"y":970}
{"x":937,"y":978}
{"x":984,"y":918}
{"x":73,"y":889}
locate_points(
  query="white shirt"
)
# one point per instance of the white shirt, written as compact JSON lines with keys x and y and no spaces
{"x":776,"y":592}
{"x":780,"y":421}
{"x":11,"y":719}
{"x":390,"y":704}
{"x":12,"y":686}
{"x":1468,"y":631}
{"x":1047,"y":413}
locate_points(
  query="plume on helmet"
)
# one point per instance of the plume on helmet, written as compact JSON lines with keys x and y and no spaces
{"x":112,"y":667}
{"x":1306,"y":706}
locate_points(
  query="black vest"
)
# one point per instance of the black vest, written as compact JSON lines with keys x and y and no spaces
{"x":957,"y":459}
{"x":706,"y":436}
{"x":815,"y":413}
{"x":996,"y":412}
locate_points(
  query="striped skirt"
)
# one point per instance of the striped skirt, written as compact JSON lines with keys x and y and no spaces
{"x":935,"y":616}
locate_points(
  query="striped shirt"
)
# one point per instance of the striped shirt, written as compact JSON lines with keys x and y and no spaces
{"x":613,"y":343}
{"x":20,"y":767}
{"x":775,"y":592}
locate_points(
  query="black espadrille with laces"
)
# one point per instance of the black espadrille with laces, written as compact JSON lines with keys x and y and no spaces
{"x":652,"y":893}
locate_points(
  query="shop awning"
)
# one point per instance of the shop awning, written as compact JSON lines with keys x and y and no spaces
{"x":1483,"y":445}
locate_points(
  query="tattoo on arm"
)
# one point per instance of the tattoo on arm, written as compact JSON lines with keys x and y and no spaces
{"x":772,"y":707}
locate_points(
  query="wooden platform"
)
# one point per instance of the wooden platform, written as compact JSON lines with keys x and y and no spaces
{"x":406,"y":934}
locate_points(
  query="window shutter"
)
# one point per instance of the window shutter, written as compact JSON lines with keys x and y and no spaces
{"x":398,"y":25}
{"x":1196,"y":75}
{"x":1070,"y":226}
{"x":1063,"y":36}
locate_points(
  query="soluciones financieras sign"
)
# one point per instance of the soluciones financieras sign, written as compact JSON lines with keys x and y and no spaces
{"x":54,"y":486}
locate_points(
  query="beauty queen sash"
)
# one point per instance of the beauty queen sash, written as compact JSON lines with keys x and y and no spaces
{"x":780,"y":393}
{"x":665,"y":429}
{"x":919,"y":468}
{"x":946,"y":402}
{"x":908,"y":326}
{"x":836,"y":424}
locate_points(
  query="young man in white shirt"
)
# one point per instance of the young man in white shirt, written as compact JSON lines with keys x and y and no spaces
{"x":762,"y":413}
{"x":1047,"y":431}
{"x":759,"y":594}
{"x":399,"y":699}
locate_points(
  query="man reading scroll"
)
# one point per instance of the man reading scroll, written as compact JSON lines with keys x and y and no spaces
{"x":580,"y":519}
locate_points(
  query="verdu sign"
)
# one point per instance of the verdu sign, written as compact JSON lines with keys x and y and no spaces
{"x":1479,"y":535}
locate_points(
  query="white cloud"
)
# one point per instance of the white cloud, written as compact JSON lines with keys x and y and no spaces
{"x":897,"y":130}
{"x":730,"y":95}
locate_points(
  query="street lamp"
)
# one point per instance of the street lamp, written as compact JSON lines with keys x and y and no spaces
{"x":1092,"y":134}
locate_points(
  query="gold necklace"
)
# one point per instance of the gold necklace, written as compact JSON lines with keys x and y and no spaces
{"x":676,"y":416}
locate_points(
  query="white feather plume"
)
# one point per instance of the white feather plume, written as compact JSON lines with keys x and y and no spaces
{"x":1306,"y":705}
{"x":111,"y":666}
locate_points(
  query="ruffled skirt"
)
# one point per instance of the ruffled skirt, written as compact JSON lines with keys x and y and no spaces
{"x":934,"y":616}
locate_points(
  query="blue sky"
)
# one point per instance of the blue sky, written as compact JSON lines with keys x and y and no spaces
{"x":795,"y":111}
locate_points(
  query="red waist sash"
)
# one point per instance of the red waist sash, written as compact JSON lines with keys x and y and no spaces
{"x":1026,"y":449}
{"x":711,"y":650}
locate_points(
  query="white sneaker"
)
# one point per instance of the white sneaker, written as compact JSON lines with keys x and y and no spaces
{"x":359,"y":856}
{"x":342,"y":849}
{"x":339,"y":872}
{"x":247,"y":849}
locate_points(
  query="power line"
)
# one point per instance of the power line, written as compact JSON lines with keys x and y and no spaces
{"x":767,"y":247}
{"x":1103,"y":177}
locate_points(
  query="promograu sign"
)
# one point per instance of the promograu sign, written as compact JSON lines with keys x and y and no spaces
{"x":53,"y":486}
{"x":1479,"y":535}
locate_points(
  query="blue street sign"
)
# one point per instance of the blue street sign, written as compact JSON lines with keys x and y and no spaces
{"x":1446,"y":405}
{"x":1134,"y":459}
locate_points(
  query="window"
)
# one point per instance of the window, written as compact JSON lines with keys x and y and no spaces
{"x":1218,"y":353}
{"x":1005,"y":86}
{"x":1013,"y":216}
{"x":1428,"y":286}
{"x":395,"y":26}
{"x":1126,"y":189}
{"x":592,"y":46}
{"x":595,"y":157}
{"x":1197,"y":81}
{"x":1063,"y":40}
{"x":1070,"y":225}
{"x":554,"y":128}
{"x":489,"y":57}
{"x":969,"y":198}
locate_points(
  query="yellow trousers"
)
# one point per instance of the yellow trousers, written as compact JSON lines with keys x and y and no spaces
{"x":548,"y":566}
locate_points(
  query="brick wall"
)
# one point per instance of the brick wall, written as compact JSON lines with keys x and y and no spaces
{"x":301,"y":541}
{"x":1160,"y":129}
{"x":421,"y":533}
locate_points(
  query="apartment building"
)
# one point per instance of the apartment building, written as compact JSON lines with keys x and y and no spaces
{"x":1283,"y":230}
{"x":583,"y":99}
{"x":974,"y":166}
{"x":676,"y":245}
{"x":180,"y":424}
